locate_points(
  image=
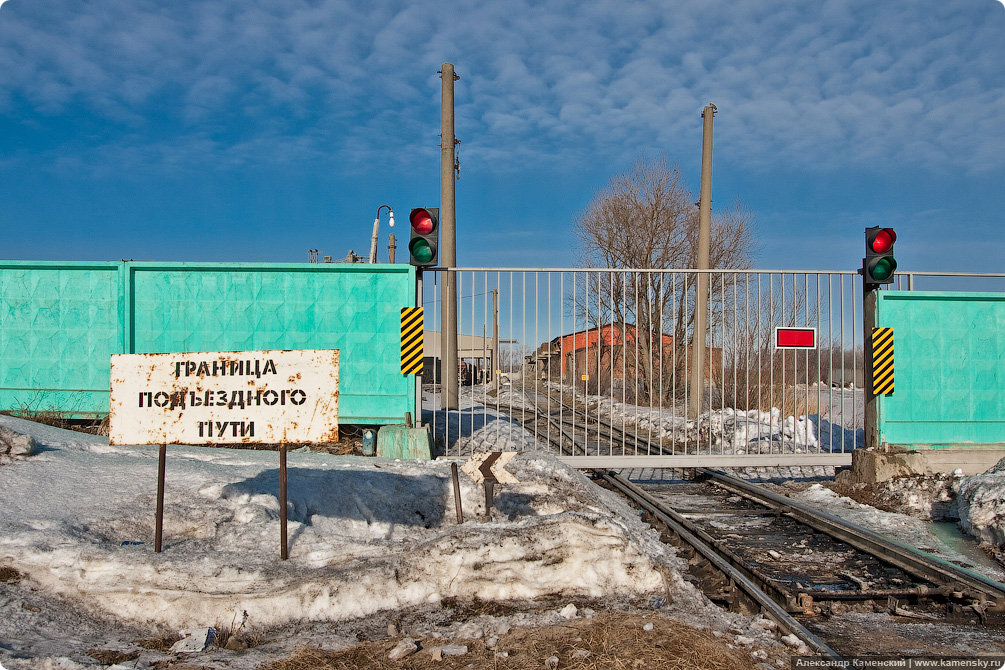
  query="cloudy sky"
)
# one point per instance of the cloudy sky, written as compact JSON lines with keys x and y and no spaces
{"x":233,"y":130}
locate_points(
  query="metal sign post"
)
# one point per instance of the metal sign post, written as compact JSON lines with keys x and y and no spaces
{"x":489,"y":468}
{"x":283,"y":546}
{"x":159,"y":531}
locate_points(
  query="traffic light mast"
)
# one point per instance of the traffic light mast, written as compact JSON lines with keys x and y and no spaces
{"x":878,"y":268}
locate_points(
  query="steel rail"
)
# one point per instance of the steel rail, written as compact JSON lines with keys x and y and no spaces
{"x":905,"y":557}
{"x":771,"y":608}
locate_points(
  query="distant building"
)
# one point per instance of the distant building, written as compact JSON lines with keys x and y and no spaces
{"x":613,"y":349}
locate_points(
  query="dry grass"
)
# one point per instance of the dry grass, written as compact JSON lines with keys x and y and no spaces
{"x":614,"y":640}
{"x":158,"y":643}
{"x":111,"y":657}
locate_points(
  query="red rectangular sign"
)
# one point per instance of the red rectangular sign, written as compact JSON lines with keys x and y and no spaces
{"x":795,"y":338}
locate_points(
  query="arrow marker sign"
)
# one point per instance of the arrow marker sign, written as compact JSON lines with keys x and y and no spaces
{"x":490,"y":465}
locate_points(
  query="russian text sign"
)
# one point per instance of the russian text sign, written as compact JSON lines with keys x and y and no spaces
{"x":224,"y":397}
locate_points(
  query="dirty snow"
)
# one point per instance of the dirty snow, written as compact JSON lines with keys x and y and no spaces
{"x":981,"y":506}
{"x":907,"y":529}
{"x":483,"y":420}
{"x":365,"y":535}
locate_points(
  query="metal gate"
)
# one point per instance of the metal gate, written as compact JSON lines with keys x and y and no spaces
{"x":598,"y":364}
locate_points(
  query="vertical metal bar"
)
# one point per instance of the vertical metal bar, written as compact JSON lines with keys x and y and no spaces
{"x":523,"y":329}
{"x":688,"y":352}
{"x":830,"y":359}
{"x":819,"y":370}
{"x":806,"y":361}
{"x":735,"y":348}
{"x":458,"y":283}
{"x":600,"y":333}
{"x":662,"y":303}
{"x":771,"y":355}
{"x":159,"y":521}
{"x":711,"y":348}
{"x":283,"y":550}
{"x":750,"y":342}
{"x":586,"y":362}
{"x":547,"y":387}
{"x":418,"y":377}
{"x":678,"y":329}
{"x":841,"y":291}
{"x":635,"y":372}
{"x":522,"y":366}
{"x":575,"y":355}
{"x":537,"y":338}
{"x":854,"y":341}
{"x":485,"y":347}
{"x":457,"y":492}
{"x":784,"y":321}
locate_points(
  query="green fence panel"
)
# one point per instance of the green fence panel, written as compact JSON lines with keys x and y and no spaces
{"x":949,"y":350}
{"x":59,"y":323}
{"x":56,"y":321}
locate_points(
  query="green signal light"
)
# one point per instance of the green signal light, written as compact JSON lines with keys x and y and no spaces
{"x":883,"y":269}
{"x":421,"y":251}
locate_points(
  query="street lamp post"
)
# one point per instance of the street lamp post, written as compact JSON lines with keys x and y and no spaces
{"x":376,"y":225}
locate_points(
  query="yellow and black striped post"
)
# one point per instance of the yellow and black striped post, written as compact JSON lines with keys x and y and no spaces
{"x":882,"y":361}
{"x":411,"y":340}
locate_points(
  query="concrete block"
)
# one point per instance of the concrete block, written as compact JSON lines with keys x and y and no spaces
{"x":405,"y":443}
{"x":871,"y":467}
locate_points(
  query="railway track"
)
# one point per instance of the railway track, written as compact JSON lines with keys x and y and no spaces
{"x":754,"y":550}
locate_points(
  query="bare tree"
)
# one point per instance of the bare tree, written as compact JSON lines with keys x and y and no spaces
{"x":645,"y":219}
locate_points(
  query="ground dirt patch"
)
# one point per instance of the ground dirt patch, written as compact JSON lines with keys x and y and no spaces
{"x":9,"y":574}
{"x":609,"y":640}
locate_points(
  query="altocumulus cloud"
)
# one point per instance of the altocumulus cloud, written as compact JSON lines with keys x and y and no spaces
{"x":825,"y":84}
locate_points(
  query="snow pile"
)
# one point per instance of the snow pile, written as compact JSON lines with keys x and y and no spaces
{"x":731,"y":431}
{"x":483,"y":423}
{"x":981,"y":505}
{"x":364,"y":534}
{"x":906,"y":529}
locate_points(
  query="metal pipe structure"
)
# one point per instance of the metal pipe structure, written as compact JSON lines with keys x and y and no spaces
{"x":376,"y":226}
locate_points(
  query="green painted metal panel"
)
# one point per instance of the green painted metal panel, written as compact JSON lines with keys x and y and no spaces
{"x":59,"y":322}
{"x":56,"y":320}
{"x":949,"y":350}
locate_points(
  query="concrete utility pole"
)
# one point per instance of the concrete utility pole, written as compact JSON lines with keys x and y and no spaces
{"x":701,"y":302}
{"x":448,"y":239}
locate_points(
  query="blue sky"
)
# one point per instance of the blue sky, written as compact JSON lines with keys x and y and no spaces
{"x":241,"y":130}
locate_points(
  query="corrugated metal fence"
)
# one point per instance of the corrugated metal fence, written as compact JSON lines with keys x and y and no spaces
{"x":61,"y":321}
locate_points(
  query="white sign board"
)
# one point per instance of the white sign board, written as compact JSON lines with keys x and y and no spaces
{"x":224,"y":397}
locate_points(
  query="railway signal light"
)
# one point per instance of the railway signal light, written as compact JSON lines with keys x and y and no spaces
{"x":879,"y":265}
{"x":422,"y":247}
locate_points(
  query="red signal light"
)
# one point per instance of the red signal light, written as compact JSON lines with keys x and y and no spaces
{"x":883,"y":242}
{"x":425,"y":235}
{"x":421,"y":221}
{"x":879,"y":265}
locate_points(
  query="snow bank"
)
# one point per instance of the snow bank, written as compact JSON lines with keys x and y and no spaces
{"x":905,"y":528}
{"x":981,"y":505}
{"x":364,"y":534}
{"x":731,"y":431}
